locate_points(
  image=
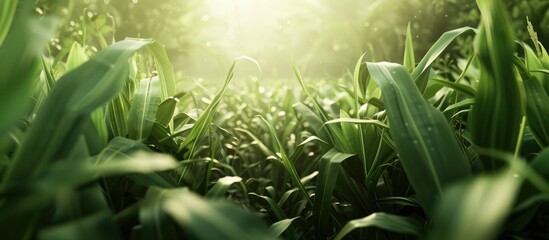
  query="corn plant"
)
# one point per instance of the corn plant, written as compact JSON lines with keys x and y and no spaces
{"x":103,"y":145}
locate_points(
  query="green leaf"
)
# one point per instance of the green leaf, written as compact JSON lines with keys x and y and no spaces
{"x":221,"y":187}
{"x":21,"y":209}
{"x":279,"y":227}
{"x":165,"y":70}
{"x":437,"y":49}
{"x":476,"y":209}
{"x":166,"y":111}
{"x":274,"y":207}
{"x":144,"y":108}
{"x":409,"y":58}
{"x":359,"y":121}
{"x":77,"y":56}
{"x":203,"y":122}
{"x":385,"y":221}
{"x":461,"y":88}
{"x":20,"y":61}
{"x":288,"y":164}
{"x":7,"y":15}
{"x":213,"y":219}
{"x":329,"y":168}
{"x":498,"y":93}
{"x":96,"y":226}
{"x":537,"y":110}
{"x":70,"y":102}
{"x":427,"y":147}
{"x":155,"y":222}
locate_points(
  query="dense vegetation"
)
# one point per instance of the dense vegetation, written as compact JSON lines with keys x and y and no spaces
{"x":97,"y":141}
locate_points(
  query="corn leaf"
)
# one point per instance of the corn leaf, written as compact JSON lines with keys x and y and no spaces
{"x":476,"y":209}
{"x":498,"y":92}
{"x":166,"y":111}
{"x":164,"y":69}
{"x":330,"y":166}
{"x":155,"y":222}
{"x":20,"y":59}
{"x":8,"y":9}
{"x":144,"y":108}
{"x":437,"y":49}
{"x":213,"y":219}
{"x":409,"y":59}
{"x":286,"y":161}
{"x":100,"y":225}
{"x":77,"y":56}
{"x":203,"y":122}
{"x":385,"y":221}
{"x":427,"y":148}
{"x":279,"y":227}
{"x":73,"y":98}
{"x":221,"y":186}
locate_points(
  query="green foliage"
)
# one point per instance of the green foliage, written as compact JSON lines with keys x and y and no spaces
{"x":102,"y":145}
{"x":498,"y":92}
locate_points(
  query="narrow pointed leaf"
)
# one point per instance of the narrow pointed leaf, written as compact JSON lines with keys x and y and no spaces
{"x":409,"y":59}
{"x":437,"y":49}
{"x":77,"y":56}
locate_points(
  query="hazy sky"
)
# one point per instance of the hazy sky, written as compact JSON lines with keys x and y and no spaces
{"x":270,"y":32}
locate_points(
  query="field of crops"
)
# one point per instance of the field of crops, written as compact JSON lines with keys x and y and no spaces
{"x":108,"y":142}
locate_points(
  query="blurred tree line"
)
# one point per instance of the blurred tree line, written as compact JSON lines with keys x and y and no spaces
{"x":326,"y":39}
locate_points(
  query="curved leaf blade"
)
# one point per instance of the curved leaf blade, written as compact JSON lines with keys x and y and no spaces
{"x":428,"y":149}
{"x":330,"y":165}
{"x":385,"y":221}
